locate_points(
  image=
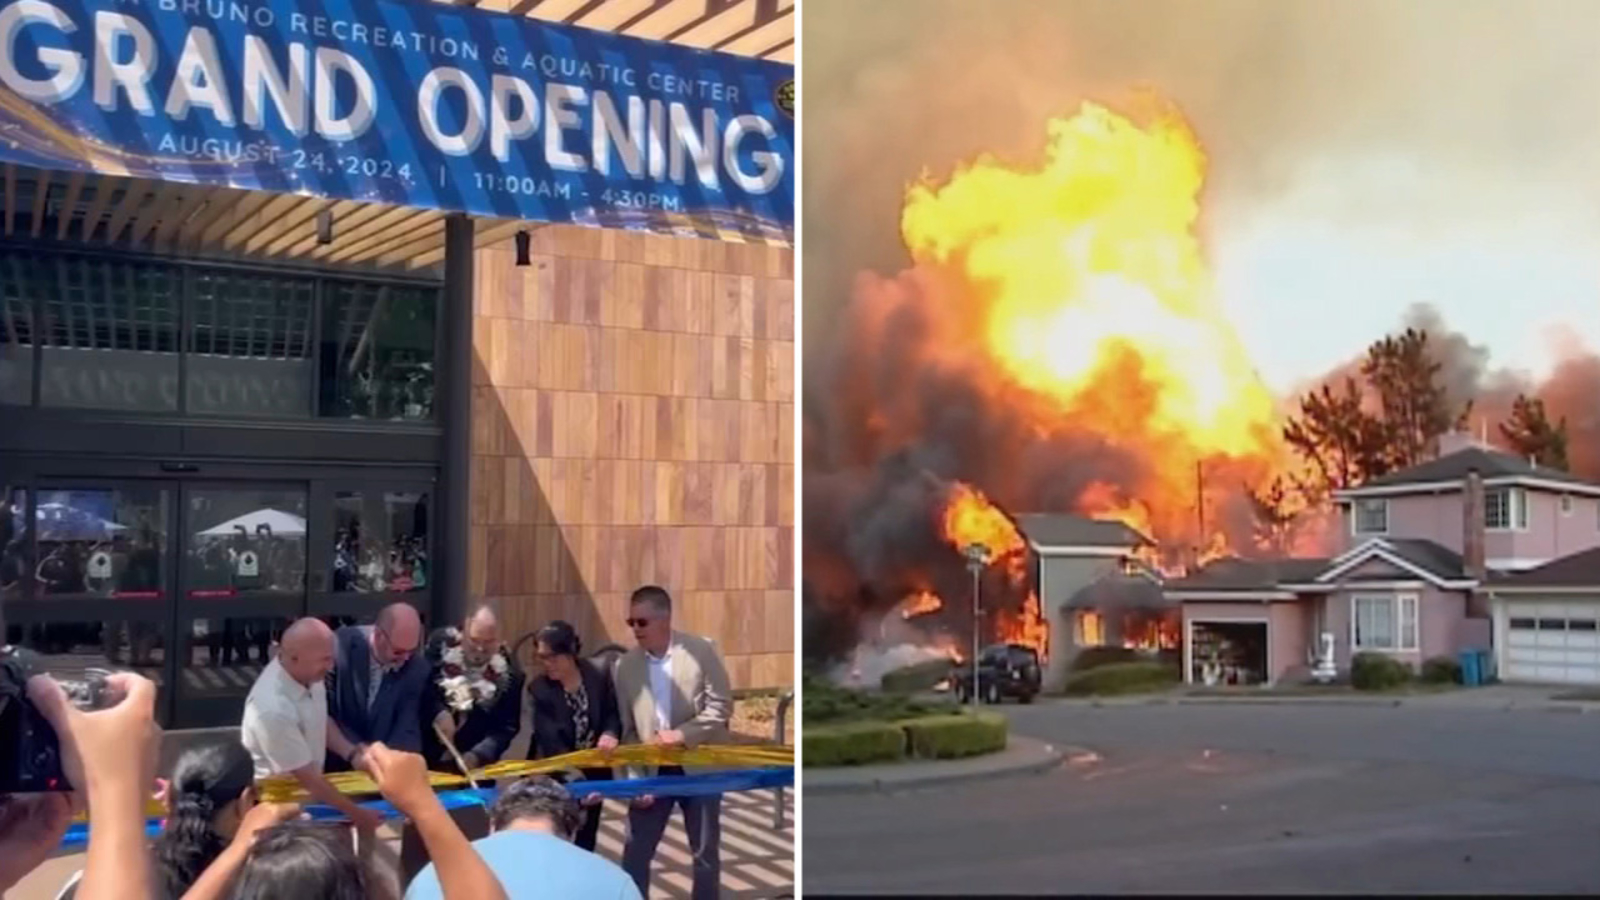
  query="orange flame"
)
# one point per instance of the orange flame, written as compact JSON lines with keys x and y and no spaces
{"x":1090,"y":293}
{"x":1026,"y":627}
{"x":969,"y":518}
{"x":920,"y":603}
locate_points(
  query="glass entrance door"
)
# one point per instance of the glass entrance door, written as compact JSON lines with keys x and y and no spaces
{"x":190,"y":580}
{"x":242,"y":580}
{"x":90,"y":575}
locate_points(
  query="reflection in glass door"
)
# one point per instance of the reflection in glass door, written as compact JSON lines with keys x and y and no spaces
{"x":243,"y":579}
{"x":87,"y":573}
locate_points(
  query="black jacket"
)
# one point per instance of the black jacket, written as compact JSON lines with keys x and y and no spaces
{"x":553,"y":729}
{"x":486,"y":732}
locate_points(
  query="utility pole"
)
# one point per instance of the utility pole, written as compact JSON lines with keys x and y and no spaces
{"x":977,"y":558}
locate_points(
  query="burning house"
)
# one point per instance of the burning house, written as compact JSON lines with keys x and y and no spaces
{"x":1054,"y":348}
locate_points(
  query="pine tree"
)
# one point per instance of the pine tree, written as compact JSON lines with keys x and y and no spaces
{"x":1531,"y":434}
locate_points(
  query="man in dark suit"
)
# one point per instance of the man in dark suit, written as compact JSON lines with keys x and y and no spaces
{"x":376,"y":686}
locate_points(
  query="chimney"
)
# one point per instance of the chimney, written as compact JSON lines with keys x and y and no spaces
{"x":1455,"y":441}
{"x":1472,"y":541}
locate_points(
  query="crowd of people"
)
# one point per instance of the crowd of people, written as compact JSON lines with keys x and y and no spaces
{"x":390,"y":701}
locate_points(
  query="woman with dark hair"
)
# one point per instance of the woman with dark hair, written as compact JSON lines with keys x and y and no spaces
{"x":574,"y":708}
{"x":211,"y":790}
{"x":304,"y":861}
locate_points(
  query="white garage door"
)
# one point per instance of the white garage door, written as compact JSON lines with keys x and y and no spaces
{"x":1553,"y":642}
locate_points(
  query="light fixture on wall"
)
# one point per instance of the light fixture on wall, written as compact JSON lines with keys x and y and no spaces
{"x":325,"y":227}
{"x":523,"y":241}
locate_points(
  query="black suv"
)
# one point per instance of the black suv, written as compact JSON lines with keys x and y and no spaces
{"x":1004,"y":670}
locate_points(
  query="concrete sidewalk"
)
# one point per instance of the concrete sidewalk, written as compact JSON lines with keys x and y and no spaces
{"x":757,"y":859}
{"x":1022,"y":756}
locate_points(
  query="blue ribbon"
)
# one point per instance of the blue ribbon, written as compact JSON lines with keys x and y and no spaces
{"x":698,"y":785}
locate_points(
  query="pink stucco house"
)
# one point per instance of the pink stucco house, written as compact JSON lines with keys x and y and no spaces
{"x":1473,"y":549}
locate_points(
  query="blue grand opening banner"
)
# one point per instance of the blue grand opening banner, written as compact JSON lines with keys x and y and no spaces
{"x":402,"y":101}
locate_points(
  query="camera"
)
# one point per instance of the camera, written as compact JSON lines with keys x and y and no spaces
{"x":30,"y":755}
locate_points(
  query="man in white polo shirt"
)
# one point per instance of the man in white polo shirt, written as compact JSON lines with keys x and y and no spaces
{"x":285,"y":723}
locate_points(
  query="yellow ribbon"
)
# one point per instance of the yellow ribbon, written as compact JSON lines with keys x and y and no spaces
{"x":749,"y":756}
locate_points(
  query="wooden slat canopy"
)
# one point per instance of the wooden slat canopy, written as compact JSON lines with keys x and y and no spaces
{"x":222,"y":222}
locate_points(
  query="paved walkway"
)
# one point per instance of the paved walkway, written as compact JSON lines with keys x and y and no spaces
{"x":757,"y":859}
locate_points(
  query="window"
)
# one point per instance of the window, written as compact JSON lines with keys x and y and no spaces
{"x":1091,"y":630}
{"x":377,"y":352}
{"x":1384,"y":622}
{"x":1566,"y":504}
{"x":1371,"y":517}
{"x":1505,"y":509}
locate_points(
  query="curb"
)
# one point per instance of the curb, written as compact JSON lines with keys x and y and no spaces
{"x":1569,"y":708}
{"x":1040,"y":757}
{"x":1285,"y":701}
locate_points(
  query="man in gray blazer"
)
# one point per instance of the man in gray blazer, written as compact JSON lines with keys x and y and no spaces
{"x":673,"y":690}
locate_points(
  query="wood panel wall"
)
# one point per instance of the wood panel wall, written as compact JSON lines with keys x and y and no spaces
{"x":633,"y":423}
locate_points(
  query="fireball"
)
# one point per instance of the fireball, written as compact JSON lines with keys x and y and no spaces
{"x":1092,"y":293}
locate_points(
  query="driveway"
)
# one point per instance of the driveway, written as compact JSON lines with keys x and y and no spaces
{"x":1228,"y":799}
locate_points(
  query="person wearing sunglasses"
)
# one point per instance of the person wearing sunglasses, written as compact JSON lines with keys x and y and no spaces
{"x":574,"y":708}
{"x":672,"y":690}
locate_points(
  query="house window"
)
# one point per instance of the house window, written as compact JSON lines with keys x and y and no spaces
{"x":1091,"y":629}
{"x":1505,"y":509}
{"x":1371,"y":516}
{"x":1566,"y":504}
{"x":1384,"y":622}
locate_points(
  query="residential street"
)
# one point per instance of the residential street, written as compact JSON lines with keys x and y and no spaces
{"x":1239,"y":798}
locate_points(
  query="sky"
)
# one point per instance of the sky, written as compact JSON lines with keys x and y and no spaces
{"x":1366,"y":155}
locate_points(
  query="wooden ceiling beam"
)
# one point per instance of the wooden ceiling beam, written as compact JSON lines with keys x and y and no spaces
{"x":193,"y":203}
{"x":41,"y":193}
{"x":103,"y":188}
{"x":11,"y":198}
{"x":69,"y":203}
{"x":674,"y":15}
{"x":168,"y":196}
{"x":345,"y":220}
{"x":613,"y":14}
{"x":384,"y":228}
{"x":707,"y":33}
{"x":135,"y":192}
{"x":761,"y":38}
{"x":220,"y":227}
{"x":271,"y":211}
{"x":297,"y":216}
{"x":344,"y":238}
{"x":426,"y":238}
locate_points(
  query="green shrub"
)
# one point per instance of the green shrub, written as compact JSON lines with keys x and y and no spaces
{"x":823,"y":703}
{"x":954,"y":736}
{"x":920,"y":677}
{"x":1378,"y":672}
{"x":1095,"y":657}
{"x":851,"y":744}
{"x":1441,"y":670}
{"x":1121,"y":678}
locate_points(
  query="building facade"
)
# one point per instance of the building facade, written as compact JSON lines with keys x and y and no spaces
{"x":224,"y":408}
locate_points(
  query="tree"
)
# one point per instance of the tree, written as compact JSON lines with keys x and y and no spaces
{"x":1412,"y":406}
{"x":1531,"y":434}
{"x":1278,"y":512}
{"x":1342,"y":443}
{"x":1391,"y":419}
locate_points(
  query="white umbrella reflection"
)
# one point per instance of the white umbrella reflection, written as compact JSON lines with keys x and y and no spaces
{"x":274,"y":521}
